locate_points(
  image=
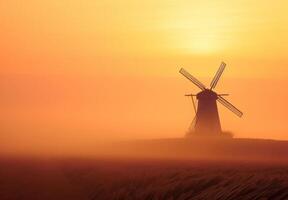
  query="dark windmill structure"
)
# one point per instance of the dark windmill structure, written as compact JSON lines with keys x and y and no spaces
{"x":206,"y":120}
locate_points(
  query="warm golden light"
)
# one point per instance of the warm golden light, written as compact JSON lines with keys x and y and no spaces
{"x":110,"y":68}
{"x":203,"y":43}
{"x":200,"y":30}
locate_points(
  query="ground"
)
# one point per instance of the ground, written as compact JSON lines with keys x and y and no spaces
{"x":140,"y":178}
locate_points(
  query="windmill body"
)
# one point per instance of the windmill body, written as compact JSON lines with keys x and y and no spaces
{"x":206,"y":120}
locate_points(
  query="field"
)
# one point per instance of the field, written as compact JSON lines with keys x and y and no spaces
{"x":142,"y":178}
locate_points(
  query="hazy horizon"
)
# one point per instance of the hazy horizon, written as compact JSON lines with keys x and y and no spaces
{"x":72,"y":73}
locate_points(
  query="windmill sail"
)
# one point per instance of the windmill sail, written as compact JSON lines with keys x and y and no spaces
{"x":228,"y":105}
{"x":192,"y":79}
{"x":217,"y":76}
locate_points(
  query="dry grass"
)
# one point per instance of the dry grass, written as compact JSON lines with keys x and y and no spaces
{"x":140,"y":179}
{"x":253,"y":169}
{"x":180,"y":180}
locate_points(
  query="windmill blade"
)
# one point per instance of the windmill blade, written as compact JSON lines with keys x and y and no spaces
{"x":228,"y":105}
{"x":217,"y":76}
{"x":192,"y":79}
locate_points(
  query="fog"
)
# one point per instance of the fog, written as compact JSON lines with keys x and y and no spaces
{"x":60,"y":113}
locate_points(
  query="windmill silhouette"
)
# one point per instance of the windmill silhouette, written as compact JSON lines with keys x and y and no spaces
{"x":206,"y":120}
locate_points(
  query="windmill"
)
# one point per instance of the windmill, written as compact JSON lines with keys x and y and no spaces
{"x":206,"y":120}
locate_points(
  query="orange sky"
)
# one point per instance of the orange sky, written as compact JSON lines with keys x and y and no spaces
{"x":74,"y":71}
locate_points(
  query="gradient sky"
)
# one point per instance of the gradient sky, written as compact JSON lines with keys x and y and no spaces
{"x":78,"y":71}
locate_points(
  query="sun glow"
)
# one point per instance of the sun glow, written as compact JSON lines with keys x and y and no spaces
{"x":202,"y":29}
{"x":204,"y":44}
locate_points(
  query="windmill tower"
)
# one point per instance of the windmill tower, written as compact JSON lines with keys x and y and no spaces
{"x":206,"y":120}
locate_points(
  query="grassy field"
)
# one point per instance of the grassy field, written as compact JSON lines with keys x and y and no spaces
{"x":140,"y":179}
{"x":169,"y":173}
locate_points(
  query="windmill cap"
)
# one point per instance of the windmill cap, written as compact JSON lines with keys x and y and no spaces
{"x":207,"y":94}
